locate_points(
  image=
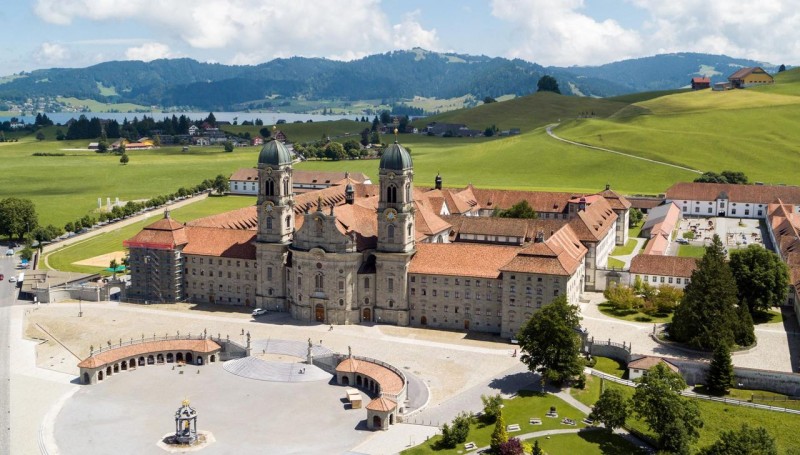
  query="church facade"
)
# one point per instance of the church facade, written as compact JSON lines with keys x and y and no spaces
{"x":386,"y":253}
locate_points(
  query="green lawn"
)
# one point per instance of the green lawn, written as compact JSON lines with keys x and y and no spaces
{"x":691,"y":251}
{"x":635,"y":230}
{"x":587,"y":442}
{"x":633,"y":315}
{"x":611,"y":366}
{"x":624,"y":249}
{"x":519,"y":410}
{"x":752,"y":129}
{"x":769,"y":317}
{"x":719,"y":417}
{"x":757,"y":396}
{"x":63,"y":259}
{"x":616,"y":263}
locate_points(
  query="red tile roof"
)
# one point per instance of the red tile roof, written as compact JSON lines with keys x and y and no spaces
{"x":644,"y":264}
{"x":759,"y":194}
{"x":593,"y":223}
{"x":302,"y":177}
{"x":701,"y":80}
{"x":220,"y":242}
{"x":540,"y":201}
{"x":165,"y":233}
{"x":390,"y":381}
{"x":561,"y":254}
{"x":245,"y":219}
{"x":148,"y":347}
{"x":381,"y":404}
{"x":461,"y":259}
{"x":645,"y":363}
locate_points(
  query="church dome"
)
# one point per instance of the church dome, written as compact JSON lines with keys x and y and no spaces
{"x":274,"y":153}
{"x":395,"y":158}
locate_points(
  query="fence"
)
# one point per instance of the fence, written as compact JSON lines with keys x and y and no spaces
{"x":698,"y":396}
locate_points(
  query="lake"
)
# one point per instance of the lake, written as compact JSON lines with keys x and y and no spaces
{"x":269,"y":118}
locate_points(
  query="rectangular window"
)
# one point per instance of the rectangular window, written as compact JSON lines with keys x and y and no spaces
{"x":341,"y":285}
{"x":467,"y":282}
{"x":390,"y":286}
{"x":269,"y":273}
{"x":467,"y":295}
{"x":677,"y":281}
{"x":413,"y":291}
{"x":366,"y":283}
{"x":457,"y":294}
{"x":670,"y":280}
{"x":446,"y":294}
{"x":434,"y":292}
{"x":434,"y":280}
{"x":662,"y":279}
{"x":413,"y":279}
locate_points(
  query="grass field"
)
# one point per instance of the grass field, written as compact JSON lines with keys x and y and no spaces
{"x":519,"y":410}
{"x":633,"y":315}
{"x":752,"y":129}
{"x":624,"y":249}
{"x":719,"y":417}
{"x":65,"y":188}
{"x":616,"y":263}
{"x":691,"y":251}
{"x":96,"y":106}
{"x":64,"y":259}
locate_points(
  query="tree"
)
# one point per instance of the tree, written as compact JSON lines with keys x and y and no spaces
{"x":673,"y":418}
{"x":211,"y":120}
{"x":499,"y":435}
{"x":710,"y":177}
{"x":220,"y":184}
{"x":124,"y":159}
{"x":488,"y":132}
{"x":762,"y":278}
{"x":536,"y":449}
{"x":335,"y":151}
{"x":622,"y":297}
{"x":17,"y":217}
{"x":547,"y":84}
{"x":745,"y":441}
{"x":491,"y":407}
{"x":782,"y":68}
{"x":228,"y":146}
{"x":635,"y":215}
{"x":735,"y":177}
{"x":549,"y":342}
{"x":386,"y":117}
{"x":707,"y":314}
{"x":666,"y":299}
{"x":611,"y":409}
{"x":489,"y":100}
{"x":69,"y":227}
{"x":456,"y":433}
{"x":519,"y":210}
{"x":121,"y":148}
{"x":511,"y":447}
{"x":102,"y":147}
{"x":40,"y":136}
{"x":375,"y":137}
{"x":720,"y":373}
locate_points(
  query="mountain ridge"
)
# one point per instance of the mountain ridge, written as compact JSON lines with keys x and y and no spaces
{"x":393,"y":76}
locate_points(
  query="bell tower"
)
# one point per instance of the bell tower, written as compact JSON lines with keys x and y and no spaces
{"x":275,"y":200}
{"x":396,"y":205}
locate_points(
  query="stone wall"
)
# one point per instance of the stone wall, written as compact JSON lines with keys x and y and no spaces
{"x":694,"y":372}
{"x":230,"y":349}
{"x":607,"y":348}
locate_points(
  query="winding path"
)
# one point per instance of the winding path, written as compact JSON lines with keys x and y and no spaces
{"x":549,"y":129}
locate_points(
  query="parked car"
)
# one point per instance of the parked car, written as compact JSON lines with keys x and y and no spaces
{"x":12,"y":280}
{"x":683,"y":241}
{"x":2,"y":277}
{"x":10,"y":252}
{"x":259,"y":311}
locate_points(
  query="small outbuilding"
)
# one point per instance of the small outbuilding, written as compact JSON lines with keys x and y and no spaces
{"x":700,"y":83}
{"x":637,"y":368}
{"x":381,"y":413}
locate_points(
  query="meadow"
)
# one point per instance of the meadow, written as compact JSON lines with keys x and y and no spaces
{"x":751,"y":130}
{"x":64,"y":259}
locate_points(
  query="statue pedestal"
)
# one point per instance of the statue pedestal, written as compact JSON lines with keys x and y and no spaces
{"x":168,"y":443}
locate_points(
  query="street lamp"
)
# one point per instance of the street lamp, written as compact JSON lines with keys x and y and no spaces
{"x":80,"y":309}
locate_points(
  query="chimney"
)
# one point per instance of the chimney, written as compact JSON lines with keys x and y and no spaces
{"x":539,"y":237}
{"x":349,"y":194}
{"x":582,"y":204}
{"x":438,"y":181}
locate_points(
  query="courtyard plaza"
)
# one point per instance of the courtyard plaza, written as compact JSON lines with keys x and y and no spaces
{"x":444,"y":363}
{"x":455,"y":368}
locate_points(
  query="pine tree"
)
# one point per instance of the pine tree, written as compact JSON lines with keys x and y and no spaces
{"x":536,"y":449}
{"x":720,"y":374}
{"x":707,"y":314}
{"x":499,"y":435}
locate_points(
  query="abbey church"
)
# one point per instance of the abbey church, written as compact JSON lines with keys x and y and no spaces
{"x":387,"y":253}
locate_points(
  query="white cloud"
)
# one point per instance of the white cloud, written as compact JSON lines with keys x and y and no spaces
{"x":559,"y":32}
{"x":148,"y":52}
{"x":410,"y":33}
{"x":52,"y":54}
{"x":253,"y":31}
{"x":556,"y":32}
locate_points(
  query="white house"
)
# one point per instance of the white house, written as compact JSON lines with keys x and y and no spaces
{"x":657,"y":270}
{"x":728,"y":200}
{"x":637,"y":368}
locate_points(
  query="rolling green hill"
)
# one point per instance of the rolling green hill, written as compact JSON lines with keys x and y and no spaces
{"x":752,"y":130}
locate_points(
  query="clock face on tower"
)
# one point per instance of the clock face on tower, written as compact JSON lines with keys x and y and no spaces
{"x":390,"y":214}
{"x":269,"y":206}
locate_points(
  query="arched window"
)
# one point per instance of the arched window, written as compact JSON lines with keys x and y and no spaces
{"x":408,"y":192}
{"x":409,"y":229}
{"x":286,"y":187}
{"x":269,"y":223}
{"x":288,"y":221}
{"x":319,"y":282}
{"x":391,"y":194}
{"x":269,"y":187}
{"x":390,"y":232}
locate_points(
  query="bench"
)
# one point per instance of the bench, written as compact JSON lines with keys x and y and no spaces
{"x":535,"y":421}
{"x":552,"y":415}
{"x":513,"y":427}
{"x":470,"y":446}
{"x":588,"y":421}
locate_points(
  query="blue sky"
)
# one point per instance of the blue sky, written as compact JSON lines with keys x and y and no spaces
{"x":78,"y":33}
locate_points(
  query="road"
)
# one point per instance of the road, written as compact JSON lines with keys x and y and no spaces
{"x":7,"y":298}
